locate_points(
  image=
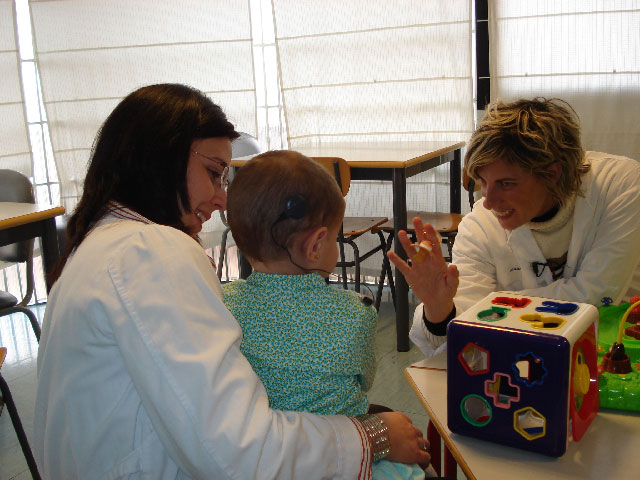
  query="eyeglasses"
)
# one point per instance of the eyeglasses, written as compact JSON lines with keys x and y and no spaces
{"x":224,"y":175}
{"x":538,"y":268}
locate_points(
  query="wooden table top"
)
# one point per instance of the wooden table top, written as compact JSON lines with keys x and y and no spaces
{"x":374,"y":154}
{"x":14,"y":214}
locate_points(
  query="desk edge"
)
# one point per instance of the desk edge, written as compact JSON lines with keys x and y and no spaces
{"x":32,"y":217}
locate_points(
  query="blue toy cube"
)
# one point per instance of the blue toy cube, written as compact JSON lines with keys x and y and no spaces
{"x":522,"y":371}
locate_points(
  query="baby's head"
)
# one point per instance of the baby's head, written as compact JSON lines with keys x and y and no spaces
{"x":279,"y":198}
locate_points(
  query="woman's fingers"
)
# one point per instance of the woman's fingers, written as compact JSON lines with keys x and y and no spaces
{"x":426,"y":447}
{"x":426,"y":233}
{"x":419,"y":228}
{"x":427,"y":274}
{"x":424,"y":453}
{"x":428,"y":242}
{"x":406,"y":441}
{"x":453,"y":277}
{"x":398,"y":262}
{"x":406,"y":244}
{"x":409,"y":250}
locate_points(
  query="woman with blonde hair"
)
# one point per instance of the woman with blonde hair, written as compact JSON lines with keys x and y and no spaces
{"x":555,"y":221}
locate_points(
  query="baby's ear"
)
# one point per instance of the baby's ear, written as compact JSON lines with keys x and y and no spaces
{"x":313,"y":242}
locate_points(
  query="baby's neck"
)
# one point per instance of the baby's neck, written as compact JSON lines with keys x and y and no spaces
{"x":279,"y":267}
{"x":284,"y":268}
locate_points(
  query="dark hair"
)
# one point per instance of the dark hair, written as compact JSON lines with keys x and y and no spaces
{"x":533,"y":135}
{"x":258,"y":197}
{"x":139,"y":157}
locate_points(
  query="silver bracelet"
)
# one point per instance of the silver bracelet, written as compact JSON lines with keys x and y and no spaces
{"x":377,"y":433}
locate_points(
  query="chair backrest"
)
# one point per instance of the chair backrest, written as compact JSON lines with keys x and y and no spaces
{"x":15,"y":187}
{"x":245,"y":145}
{"x":242,"y":146}
{"x":339,"y":168}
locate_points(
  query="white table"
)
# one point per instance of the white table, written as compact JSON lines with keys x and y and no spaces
{"x":607,"y":451}
{"x":22,"y":221}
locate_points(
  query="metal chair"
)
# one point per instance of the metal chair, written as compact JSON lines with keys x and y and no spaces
{"x":354,"y":227}
{"x":15,"y":187}
{"x":242,"y":146}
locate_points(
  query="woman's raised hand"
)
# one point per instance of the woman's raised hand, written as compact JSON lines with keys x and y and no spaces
{"x":428,"y":275}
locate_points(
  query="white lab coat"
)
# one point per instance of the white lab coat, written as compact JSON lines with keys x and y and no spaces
{"x":603,"y":258}
{"x":141,"y":375}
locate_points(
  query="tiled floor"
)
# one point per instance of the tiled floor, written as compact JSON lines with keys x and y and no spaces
{"x":19,"y":370}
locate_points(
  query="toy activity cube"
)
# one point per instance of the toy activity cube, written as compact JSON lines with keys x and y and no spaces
{"x":522,"y":371}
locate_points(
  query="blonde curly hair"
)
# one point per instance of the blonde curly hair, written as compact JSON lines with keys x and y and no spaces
{"x":533,"y":135}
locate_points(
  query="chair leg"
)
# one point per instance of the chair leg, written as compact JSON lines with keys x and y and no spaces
{"x":342,"y":258}
{"x":389,"y":275}
{"x":392,"y":285}
{"x":223,"y":252}
{"x":450,"y":240}
{"x":17,"y":426}
{"x":32,"y":317}
{"x":385,"y":271}
{"x":356,"y":261}
{"x":30,"y":281}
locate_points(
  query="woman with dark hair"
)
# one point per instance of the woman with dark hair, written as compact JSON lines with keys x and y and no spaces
{"x":141,"y":153}
{"x":140,"y":370}
{"x":555,"y":221}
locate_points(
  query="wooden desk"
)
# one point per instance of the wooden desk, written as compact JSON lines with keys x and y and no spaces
{"x":607,"y":449}
{"x":22,"y":221}
{"x":395,"y":162}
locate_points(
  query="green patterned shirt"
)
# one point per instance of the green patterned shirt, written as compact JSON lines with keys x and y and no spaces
{"x":311,"y":345}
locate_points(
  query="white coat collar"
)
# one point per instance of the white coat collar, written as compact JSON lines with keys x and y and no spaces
{"x":526,"y":250}
{"x":116,"y":210}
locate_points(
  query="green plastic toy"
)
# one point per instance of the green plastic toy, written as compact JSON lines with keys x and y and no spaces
{"x":618,"y":391}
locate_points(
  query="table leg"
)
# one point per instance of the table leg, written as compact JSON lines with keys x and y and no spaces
{"x":399,"y":180}
{"x":455,"y":179}
{"x":50,"y":250}
{"x":450,"y":465}
{"x":433,"y":437}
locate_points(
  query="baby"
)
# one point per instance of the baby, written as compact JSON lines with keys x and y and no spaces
{"x":311,"y":344}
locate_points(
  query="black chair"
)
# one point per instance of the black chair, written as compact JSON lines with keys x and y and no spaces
{"x":15,"y":187}
{"x":353,"y":228}
{"x":242,"y":146}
